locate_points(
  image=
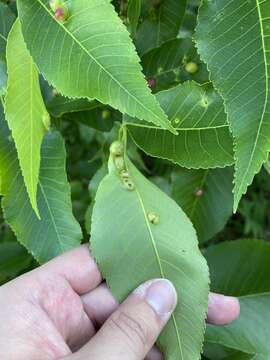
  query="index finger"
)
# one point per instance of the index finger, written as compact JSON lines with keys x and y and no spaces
{"x":77,"y":266}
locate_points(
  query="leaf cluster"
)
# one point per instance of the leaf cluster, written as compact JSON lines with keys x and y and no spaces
{"x":138,"y":126}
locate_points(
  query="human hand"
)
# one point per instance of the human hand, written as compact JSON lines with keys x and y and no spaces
{"x":63,"y":310}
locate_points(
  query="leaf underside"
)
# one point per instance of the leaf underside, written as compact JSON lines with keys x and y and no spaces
{"x":233,"y":38}
{"x":130,"y":250}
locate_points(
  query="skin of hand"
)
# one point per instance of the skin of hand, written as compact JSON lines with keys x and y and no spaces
{"x":63,"y":310}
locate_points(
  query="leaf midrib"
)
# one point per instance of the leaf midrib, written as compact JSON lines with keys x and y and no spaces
{"x":176,"y":128}
{"x":202,"y":182}
{"x":159,"y":263}
{"x":99,"y":64}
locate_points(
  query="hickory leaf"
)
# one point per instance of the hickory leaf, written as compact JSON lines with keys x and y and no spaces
{"x":25,"y":110}
{"x":134,"y":12}
{"x":167,"y":64}
{"x":59,"y":105}
{"x":233,"y":39}
{"x":197,"y":112}
{"x":250,"y":282}
{"x":206,"y":197}
{"x":3,"y":77}
{"x":57,"y":231}
{"x":6,"y":20}
{"x":13,"y":260}
{"x":161,"y":23}
{"x":89,"y":55}
{"x":131,"y":249}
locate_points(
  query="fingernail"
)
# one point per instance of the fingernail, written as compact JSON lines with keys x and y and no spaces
{"x":161,"y":295}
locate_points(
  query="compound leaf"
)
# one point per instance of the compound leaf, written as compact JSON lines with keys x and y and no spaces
{"x":131,"y":249}
{"x":233,"y":38}
{"x":89,"y":55}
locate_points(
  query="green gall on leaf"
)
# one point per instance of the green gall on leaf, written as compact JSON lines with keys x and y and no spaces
{"x":153,"y":218}
{"x":117,"y":148}
{"x":198,"y":192}
{"x":204,"y":102}
{"x":106,"y":114}
{"x":124,"y":174}
{"x":119,"y":163}
{"x":55,"y":93}
{"x":192,"y":67}
{"x":128,"y":184}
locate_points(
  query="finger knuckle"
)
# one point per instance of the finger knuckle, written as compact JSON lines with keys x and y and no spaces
{"x":135,"y":330}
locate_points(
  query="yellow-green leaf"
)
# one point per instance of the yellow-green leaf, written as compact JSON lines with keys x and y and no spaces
{"x":25,"y":110}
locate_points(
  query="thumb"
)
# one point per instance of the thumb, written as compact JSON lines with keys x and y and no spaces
{"x":132,"y":330}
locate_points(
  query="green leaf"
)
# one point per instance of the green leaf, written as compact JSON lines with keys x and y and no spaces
{"x":218,"y":352}
{"x":131,"y":249}
{"x":99,"y":118}
{"x":203,"y":140}
{"x":6,"y":20}
{"x":134,"y":12}
{"x":59,"y":105}
{"x":3,"y":77}
{"x":162,"y":23}
{"x":251,"y":331}
{"x":13,"y":260}
{"x":93,"y":188}
{"x":233,"y":39}
{"x":169,"y":70}
{"x":267,"y":165}
{"x":228,"y":277}
{"x":90,"y":55}
{"x":57,"y":231}
{"x":206,"y":197}
{"x":25,"y":110}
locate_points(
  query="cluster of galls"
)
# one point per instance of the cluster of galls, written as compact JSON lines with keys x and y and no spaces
{"x":117,"y":156}
{"x":60,"y":9}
